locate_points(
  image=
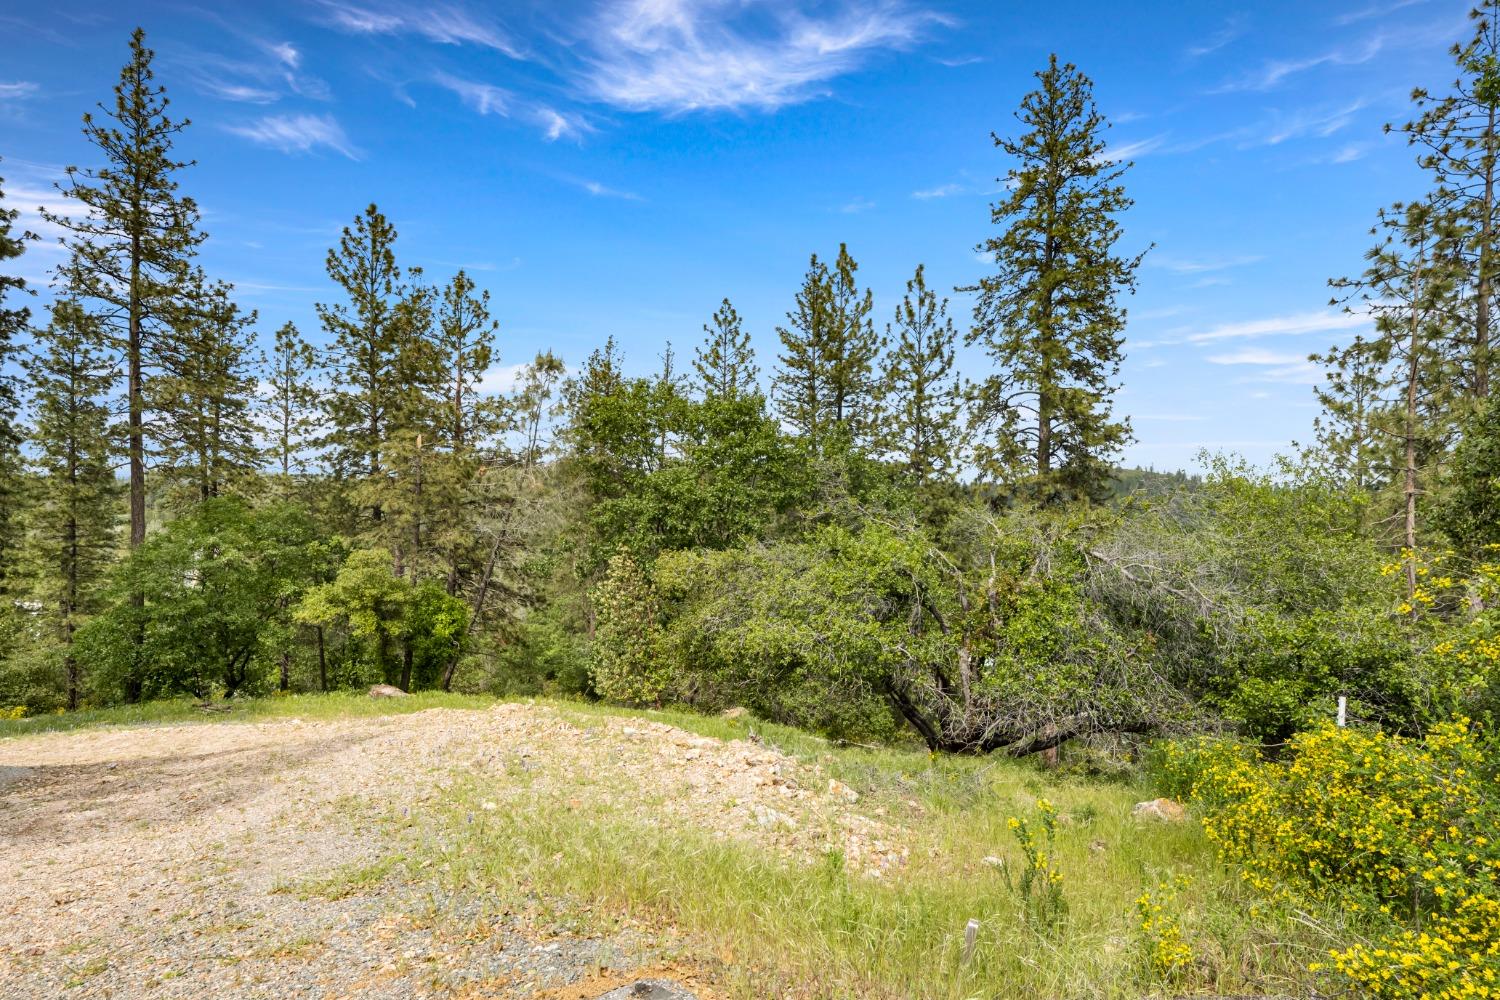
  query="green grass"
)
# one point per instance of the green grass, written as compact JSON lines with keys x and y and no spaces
{"x":343,"y":704}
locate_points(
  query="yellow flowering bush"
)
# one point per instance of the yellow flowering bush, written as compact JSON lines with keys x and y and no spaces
{"x":1161,"y":928}
{"x":17,"y":712}
{"x":1398,"y":832}
{"x":1040,"y":882}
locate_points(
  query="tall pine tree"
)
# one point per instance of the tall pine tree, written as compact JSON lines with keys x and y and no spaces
{"x":382,"y":368}
{"x":725,"y":361}
{"x":1401,"y":387}
{"x":1459,"y":133}
{"x":289,"y":407}
{"x":1049,"y":317}
{"x":825,"y":386}
{"x":131,"y":247}
{"x":74,"y":520}
{"x":13,"y":321}
{"x":922,"y":387}
{"x":202,"y":399}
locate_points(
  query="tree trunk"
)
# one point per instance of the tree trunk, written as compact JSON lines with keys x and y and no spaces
{"x":1410,"y":487}
{"x":1487,"y":232}
{"x":405,"y":666}
{"x":322,"y":662}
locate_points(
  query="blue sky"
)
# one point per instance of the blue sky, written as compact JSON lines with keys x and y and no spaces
{"x":608,"y":167}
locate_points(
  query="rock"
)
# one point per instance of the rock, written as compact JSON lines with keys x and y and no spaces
{"x":734,"y":714}
{"x":840,"y":790}
{"x":771,"y":819}
{"x":386,"y":691}
{"x":1161,"y":810}
{"x":649,"y":989}
{"x":1098,"y":846}
{"x":992,"y":861}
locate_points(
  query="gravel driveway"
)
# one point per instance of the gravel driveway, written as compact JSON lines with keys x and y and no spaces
{"x":166,"y":861}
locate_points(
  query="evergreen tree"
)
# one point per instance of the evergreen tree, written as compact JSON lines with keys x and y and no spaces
{"x":74,"y":521}
{"x":13,"y":321}
{"x":1470,"y":510}
{"x":1460,"y":135}
{"x":132,"y":245}
{"x":202,"y":398}
{"x":725,"y":362}
{"x":1401,"y":388}
{"x":1049,"y":317}
{"x":382,"y":367}
{"x":289,"y":408}
{"x":466,"y":339}
{"x":922,"y":387}
{"x":533,"y":407}
{"x":825,"y":386}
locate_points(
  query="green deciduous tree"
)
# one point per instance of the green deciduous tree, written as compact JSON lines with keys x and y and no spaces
{"x":131,"y":247}
{"x":217,"y":582}
{"x":627,"y":663}
{"x":1050,"y":316}
{"x":74,"y":517}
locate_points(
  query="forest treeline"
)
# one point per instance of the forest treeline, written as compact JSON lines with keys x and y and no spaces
{"x":850,"y":536}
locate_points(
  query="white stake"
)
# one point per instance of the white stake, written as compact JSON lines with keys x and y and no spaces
{"x":971,"y":934}
{"x":1343,"y":706}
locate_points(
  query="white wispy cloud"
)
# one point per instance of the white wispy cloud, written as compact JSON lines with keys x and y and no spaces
{"x":1271,"y":73}
{"x":485,"y":98}
{"x":446,"y":24}
{"x":856,"y":206}
{"x":17,"y":90}
{"x":488,"y":99}
{"x":1180,"y":265}
{"x":561,"y":124}
{"x":599,"y":190}
{"x":1375,"y":11}
{"x":1128,"y":150}
{"x":1256,"y":356}
{"x":1273,"y":326}
{"x":690,"y":55}
{"x":941,"y":191}
{"x":1232,"y":29}
{"x":297,"y":134}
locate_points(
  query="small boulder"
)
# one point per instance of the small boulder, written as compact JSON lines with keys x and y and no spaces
{"x":734,"y":714}
{"x":840,"y":790}
{"x":1160,"y":810}
{"x":771,"y":819}
{"x":386,"y":691}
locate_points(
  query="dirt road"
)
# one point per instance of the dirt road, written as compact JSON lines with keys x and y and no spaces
{"x":171,"y":861}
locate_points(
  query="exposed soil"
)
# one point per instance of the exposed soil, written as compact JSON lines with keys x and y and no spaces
{"x":164,"y":861}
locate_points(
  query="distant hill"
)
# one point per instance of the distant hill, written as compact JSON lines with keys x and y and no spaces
{"x":1150,"y":482}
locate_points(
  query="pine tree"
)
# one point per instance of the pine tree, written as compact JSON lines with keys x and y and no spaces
{"x":202,"y":399}
{"x":289,"y":408}
{"x":74,"y":521}
{"x":1460,"y":133}
{"x":466,"y":341}
{"x":922,"y":387}
{"x":1049,"y":317}
{"x":800,"y":384}
{"x":825,"y":386}
{"x":132,"y":246}
{"x":725,"y":361}
{"x":382,"y":367}
{"x":13,"y":321}
{"x":1401,"y":387}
